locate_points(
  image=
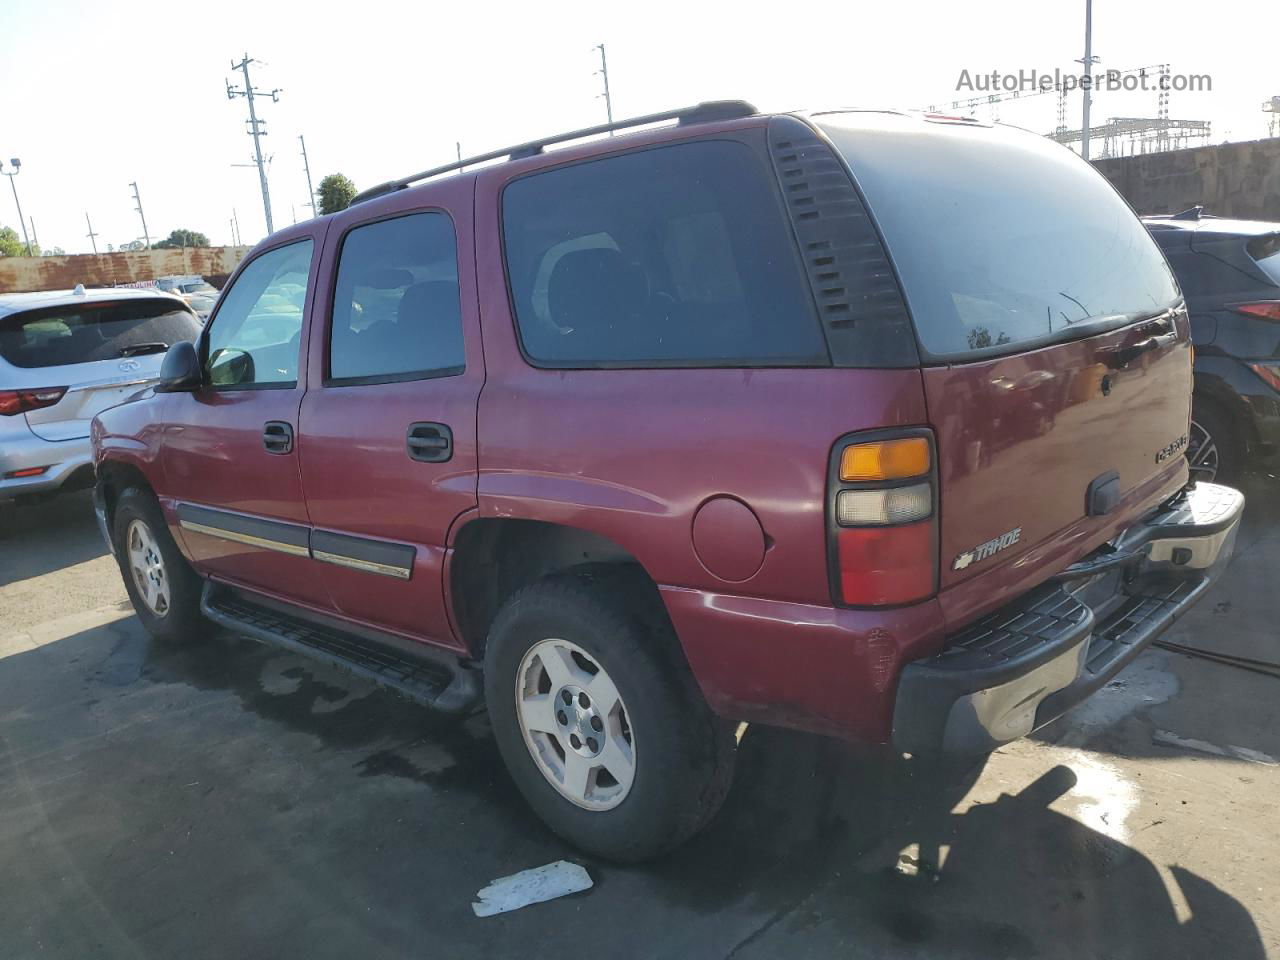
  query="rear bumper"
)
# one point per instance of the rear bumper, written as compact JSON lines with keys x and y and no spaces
{"x":66,"y":460}
{"x":1029,"y":662}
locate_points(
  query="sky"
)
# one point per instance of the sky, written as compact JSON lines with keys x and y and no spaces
{"x":96,"y":95}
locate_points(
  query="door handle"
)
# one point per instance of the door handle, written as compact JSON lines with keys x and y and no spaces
{"x":277,"y":436}
{"x":429,"y":442}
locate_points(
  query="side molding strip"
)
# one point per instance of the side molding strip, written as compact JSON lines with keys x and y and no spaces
{"x":370,"y":556}
{"x":290,"y":538}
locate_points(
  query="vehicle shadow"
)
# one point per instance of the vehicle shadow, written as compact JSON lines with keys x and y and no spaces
{"x":48,"y":535}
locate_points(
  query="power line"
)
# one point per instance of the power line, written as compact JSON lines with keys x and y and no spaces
{"x":311,"y":193}
{"x":604,"y":74}
{"x":138,"y":199}
{"x":257,"y":128}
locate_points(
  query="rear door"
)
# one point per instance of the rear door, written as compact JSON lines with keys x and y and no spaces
{"x":230,"y":455}
{"x":100,"y":351}
{"x":388,"y":427}
{"x":1057,"y":367}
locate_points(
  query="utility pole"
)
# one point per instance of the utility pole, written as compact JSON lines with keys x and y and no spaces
{"x":35,"y":239}
{"x":311,"y":193}
{"x":17,"y":165}
{"x":137,"y":199}
{"x":458,"y":146}
{"x":1088,"y":61}
{"x":93,"y":237}
{"x":604,"y":74}
{"x":235,"y":223}
{"x":256,"y":127}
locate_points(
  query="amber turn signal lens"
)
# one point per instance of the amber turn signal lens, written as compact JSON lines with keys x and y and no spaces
{"x":885,"y":460}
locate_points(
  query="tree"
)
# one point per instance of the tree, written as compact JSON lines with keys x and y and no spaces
{"x":53,"y":252}
{"x":182,"y":238}
{"x":336,"y":193}
{"x":130,"y":245}
{"x":11,"y":244}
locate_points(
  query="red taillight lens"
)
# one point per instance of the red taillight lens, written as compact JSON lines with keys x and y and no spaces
{"x":1269,"y":372}
{"x":20,"y":401}
{"x":883,"y":519}
{"x":1266,"y":309}
{"x":887,"y":565}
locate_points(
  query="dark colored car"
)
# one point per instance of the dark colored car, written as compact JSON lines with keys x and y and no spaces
{"x":1229,"y":271}
{"x":866,"y":424}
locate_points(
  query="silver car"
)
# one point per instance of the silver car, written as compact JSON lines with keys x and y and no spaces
{"x":64,"y":356}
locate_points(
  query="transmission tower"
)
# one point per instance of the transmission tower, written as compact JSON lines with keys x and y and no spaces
{"x":257,"y":128}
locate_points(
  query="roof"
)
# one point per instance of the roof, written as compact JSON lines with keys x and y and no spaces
{"x":15,"y":302}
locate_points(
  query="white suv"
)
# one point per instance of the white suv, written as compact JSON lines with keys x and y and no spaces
{"x":64,"y":356}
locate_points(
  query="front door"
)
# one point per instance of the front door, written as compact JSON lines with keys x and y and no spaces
{"x":230,"y":453}
{"x":387,"y":429}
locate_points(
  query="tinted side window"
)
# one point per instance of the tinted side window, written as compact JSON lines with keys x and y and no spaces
{"x":677,"y":256}
{"x":396,"y":313}
{"x":255,"y":337}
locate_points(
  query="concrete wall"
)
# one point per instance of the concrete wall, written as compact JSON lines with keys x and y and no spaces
{"x":20,"y":274}
{"x":1230,"y":180}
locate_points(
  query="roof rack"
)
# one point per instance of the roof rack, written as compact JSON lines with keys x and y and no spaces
{"x":708,"y":112}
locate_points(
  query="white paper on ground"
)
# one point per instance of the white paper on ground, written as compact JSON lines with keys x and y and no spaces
{"x":531,"y":886}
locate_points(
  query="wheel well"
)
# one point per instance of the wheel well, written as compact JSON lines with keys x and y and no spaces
{"x":1233,"y":410}
{"x":493,"y":558}
{"x":115,"y":478}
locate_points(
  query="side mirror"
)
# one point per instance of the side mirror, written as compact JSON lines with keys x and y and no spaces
{"x":180,"y":370}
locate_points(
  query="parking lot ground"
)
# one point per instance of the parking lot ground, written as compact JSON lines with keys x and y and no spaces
{"x":224,"y":800}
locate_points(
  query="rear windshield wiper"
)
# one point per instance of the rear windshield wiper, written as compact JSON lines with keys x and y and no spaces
{"x":138,"y":349}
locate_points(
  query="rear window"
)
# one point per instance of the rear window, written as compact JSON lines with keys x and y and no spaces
{"x":98,"y":330}
{"x":675,"y":256}
{"x":1002,"y":239}
{"x":1266,"y":251}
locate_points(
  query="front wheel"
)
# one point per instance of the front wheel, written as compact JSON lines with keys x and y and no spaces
{"x":165,"y":591}
{"x":598,"y":719}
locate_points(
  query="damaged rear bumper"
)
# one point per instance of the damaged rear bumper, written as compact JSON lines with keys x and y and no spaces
{"x":1029,"y":662}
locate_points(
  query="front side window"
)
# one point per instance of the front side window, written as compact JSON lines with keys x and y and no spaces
{"x":396,"y":308}
{"x":255,"y":337}
{"x":676,"y":256}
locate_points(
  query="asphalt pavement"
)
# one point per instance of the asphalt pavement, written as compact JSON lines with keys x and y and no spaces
{"x":225,"y":800}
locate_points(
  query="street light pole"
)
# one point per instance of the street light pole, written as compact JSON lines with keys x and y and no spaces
{"x":1088,"y":61}
{"x":17,"y":165}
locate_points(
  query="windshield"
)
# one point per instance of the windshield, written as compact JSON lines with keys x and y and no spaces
{"x":1000,"y":237}
{"x":105,"y":330}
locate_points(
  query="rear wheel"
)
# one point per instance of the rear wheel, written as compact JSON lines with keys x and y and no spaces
{"x":599,"y":721}
{"x":1215,"y":450}
{"x":165,"y":591}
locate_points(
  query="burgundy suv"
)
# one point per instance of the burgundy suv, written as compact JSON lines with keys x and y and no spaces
{"x":862,"y":423}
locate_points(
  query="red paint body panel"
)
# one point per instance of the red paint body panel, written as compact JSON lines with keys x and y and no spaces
{"x":356,"y":470}
{"x":1020,"y":438}
{"x":808,"y":666}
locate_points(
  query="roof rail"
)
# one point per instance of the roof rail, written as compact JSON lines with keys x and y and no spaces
{"x":707,"y":112}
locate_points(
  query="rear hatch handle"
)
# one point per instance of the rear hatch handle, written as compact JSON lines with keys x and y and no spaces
{"x":1119,"y":359}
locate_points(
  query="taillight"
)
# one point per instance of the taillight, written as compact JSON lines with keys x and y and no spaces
{"x":1269,"y":372}
{"x":20,"y":401}
{"x":883,"y":519}
{"x":1266,"y":309}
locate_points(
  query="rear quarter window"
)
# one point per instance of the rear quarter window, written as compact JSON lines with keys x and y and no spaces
{"x":96,"y":330}
{"x":673,"y":256}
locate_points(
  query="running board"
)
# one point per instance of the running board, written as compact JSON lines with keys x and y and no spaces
{"x":429,"y":676}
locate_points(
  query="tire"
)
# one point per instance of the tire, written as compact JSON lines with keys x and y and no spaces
{"x":1216,"y":451}
{"x":681,"y":754}
{"x":178,"y":618}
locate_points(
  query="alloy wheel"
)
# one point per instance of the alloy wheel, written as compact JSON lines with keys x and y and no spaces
{"x":1202,"y":454}
{"x":575,"y":724}
{"x":147,"y":565}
